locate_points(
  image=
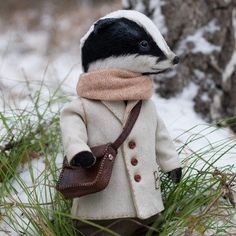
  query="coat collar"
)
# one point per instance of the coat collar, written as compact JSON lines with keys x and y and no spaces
{"x":119,"y":109}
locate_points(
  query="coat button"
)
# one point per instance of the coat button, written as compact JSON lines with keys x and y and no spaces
{"x":137,"y":178}
{"x":134,"y":161}
{"x":132,"y":144}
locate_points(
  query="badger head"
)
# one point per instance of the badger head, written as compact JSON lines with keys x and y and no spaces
{"x":126,"y":39}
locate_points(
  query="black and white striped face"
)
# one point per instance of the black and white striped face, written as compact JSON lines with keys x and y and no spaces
{"x":126,"y":40}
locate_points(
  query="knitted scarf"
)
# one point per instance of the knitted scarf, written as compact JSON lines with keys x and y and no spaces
{"x":114,"y":85}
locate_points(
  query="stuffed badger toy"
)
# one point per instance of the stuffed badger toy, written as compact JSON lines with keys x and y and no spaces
{"x":118,"y":53}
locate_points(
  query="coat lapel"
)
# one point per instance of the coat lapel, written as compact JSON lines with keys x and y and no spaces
{"x":119,"y":109}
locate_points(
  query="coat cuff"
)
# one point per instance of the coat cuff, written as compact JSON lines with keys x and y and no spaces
{"x":169,"y":165}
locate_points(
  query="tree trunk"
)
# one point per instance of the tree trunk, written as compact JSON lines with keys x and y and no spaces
{"x":203,"y":34}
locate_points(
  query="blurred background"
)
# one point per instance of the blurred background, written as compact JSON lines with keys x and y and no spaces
{"x":40,"y":39}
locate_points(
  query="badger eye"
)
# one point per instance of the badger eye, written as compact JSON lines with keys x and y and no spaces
{"x":144,"y":44}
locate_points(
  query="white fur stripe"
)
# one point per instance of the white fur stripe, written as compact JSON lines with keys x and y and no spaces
{"x":142,"y":63}
{"x":140,"y":19}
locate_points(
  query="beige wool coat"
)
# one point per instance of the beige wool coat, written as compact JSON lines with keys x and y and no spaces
{"x":134,"y":187}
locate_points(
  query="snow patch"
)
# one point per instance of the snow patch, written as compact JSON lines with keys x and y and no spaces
{"x":211,"y":27}
{"x":140,"y":7}
{"x":158,"y":17}
{"x":199,"y":74}
{"x":205,"y":97}
{"x":231,"y":66}
{"x":200,"y":43}
{"x":126,"y":4}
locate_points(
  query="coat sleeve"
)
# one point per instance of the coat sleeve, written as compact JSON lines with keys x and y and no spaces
{"x":73,"y":129}
{"x":167,"y":156}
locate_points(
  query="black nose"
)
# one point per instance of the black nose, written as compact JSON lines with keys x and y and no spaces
{"x":176,"y":60}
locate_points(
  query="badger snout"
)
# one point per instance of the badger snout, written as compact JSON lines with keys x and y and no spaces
{"x":176,"y":60}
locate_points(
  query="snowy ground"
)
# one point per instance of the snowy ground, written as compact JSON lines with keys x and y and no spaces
{"x":179,"y":116}
{"x":23,"y":55}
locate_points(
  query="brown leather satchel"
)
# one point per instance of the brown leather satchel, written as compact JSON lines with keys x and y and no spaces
{"x":75,"y":181}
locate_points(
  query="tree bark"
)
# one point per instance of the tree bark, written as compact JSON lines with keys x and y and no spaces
{"x":203,"y":34}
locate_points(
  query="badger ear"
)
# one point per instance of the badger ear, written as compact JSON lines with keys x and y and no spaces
{"x":102,"y":24}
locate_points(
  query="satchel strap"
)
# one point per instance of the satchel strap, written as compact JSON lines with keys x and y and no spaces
{"x":128,"y":126}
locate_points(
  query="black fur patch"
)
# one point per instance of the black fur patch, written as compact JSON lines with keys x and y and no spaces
{"x":116,"y":37}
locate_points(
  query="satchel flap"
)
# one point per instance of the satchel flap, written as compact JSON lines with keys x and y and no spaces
{"x":101,"y":150}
